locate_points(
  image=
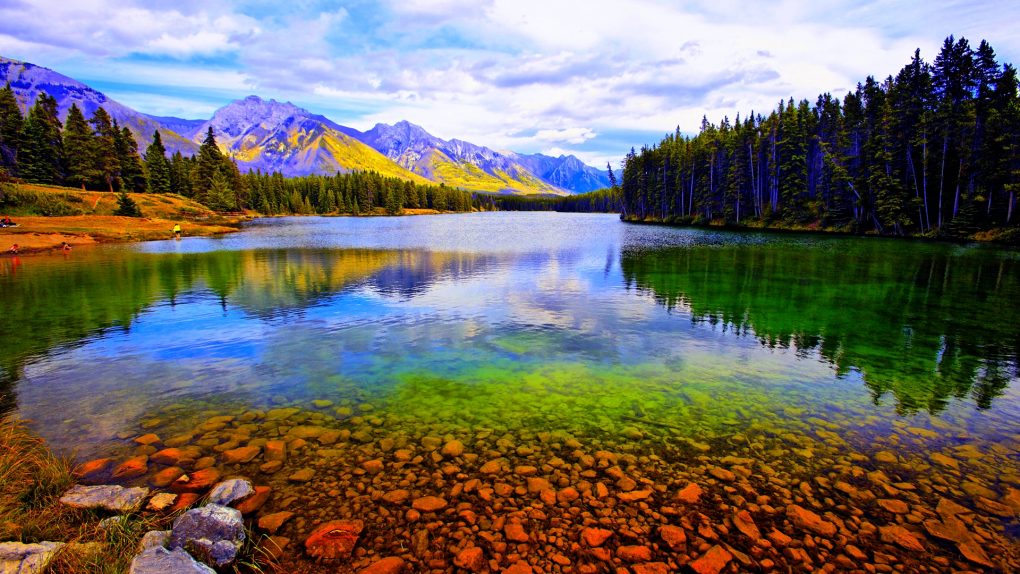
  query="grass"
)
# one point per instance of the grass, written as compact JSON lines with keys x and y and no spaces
{"x":50,"y":215}
{"x":32,"y":479}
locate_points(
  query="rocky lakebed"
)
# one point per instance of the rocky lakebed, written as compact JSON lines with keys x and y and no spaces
{"x":349,"y":488}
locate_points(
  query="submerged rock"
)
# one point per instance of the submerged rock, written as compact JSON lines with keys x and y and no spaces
{"x":713,"y":561}
{"x":214,"y":533}
{"x":159,"y":560}
{"x":229,"y":491}
{"x":19,"y":558}
{"x":106,"y":497}
{"x":388,"y":565}
{"x":334,"y":539}
{"x":808,"y":520}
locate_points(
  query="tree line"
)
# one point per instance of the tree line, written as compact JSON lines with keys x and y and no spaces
{"x":606,"y":200}
{"x":934,"y":151}
{"x":99,"y":154}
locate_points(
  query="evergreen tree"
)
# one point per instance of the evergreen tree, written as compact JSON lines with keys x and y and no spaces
{"x":105,"y":148}
{"x":132,"y":175}
{"x":11,"y":122}
{"x":127,"y":206}
{"x":41,"y":153}
{"x":210,"y":160}
{"x":220,"y":196}
{"x":157,"y":167}
{"x":79,"y":150}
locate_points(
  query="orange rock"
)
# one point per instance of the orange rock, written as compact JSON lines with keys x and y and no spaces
{"x":471,"y":559}
{"x":808,"y":520}
{"x":271,"y":523}
{"x":894,"y":506}
{"x":691,"y":493}
{"x":254,"y":501}
{"x":713,"y":561}
{"x":184,"y":501}
{"x":132,"y":468}
{"x":93,"y":470}
{"x":634,"y":553}
{"x":147,"y":439}
{"x":429,"y":504}
{"x":240,"y":455}
{"x":651,"y":568}
{"x":595,"y":537}
{"x":634,"y":495}
{"x":398,"y":496}
{"x":374,"y":466}
{"x":514,"y":532}
{"x":895,"y":534}
{"x":388,"y":565}
{"x":197,"y":481}
{"x":674,"y":536}
{"x":744,"y":523}
{"x":165,"y":477}
{"x":174,"y":456}
{"x":334,"y":539}
{"x":567,"y":495}
{"x":276,"y":450}
{"x":518,"y":568}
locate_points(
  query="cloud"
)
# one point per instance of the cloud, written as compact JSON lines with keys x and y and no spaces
{"x":528,"y":75}
{"x":568,"y":135}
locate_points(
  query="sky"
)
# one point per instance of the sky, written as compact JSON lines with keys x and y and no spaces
{"x":587,"y":77}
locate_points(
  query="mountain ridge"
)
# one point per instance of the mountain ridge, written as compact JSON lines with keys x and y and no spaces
{"x":268,"y":135}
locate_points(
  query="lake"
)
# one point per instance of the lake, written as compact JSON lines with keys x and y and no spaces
{"x":557,"y":372}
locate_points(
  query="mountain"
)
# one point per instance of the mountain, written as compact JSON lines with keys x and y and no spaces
{"x":275,"y":136}
{"x":455,"y":162}
{"x":464,"y":164}
{"x":28,"y":81}
{"x":565,"y":171}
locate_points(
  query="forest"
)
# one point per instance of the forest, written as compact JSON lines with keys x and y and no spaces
{"x":933,"y":151}
{"x":599,"y":201}
{"x":98,"y":154}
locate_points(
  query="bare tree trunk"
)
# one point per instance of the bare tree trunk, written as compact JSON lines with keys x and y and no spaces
{"x":956,"y":200}
{"x":942,"y":176}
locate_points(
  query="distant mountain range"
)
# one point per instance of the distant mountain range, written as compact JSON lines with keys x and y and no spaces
{"x":274,"y":136}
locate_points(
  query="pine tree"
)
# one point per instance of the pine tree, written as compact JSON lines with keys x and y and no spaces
{"x":11,"y":122}
{"x":79,"y":150}
{"x":127,"y":206}
{"x":132,"y":175}
{"x":210,"y":159}
{"x":41,"y":152}
{"x":220,"y":196}
{"x":156,"y":166}
{"x":105,"y":146}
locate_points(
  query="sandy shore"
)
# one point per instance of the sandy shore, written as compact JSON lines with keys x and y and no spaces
{"x":35,"y":234}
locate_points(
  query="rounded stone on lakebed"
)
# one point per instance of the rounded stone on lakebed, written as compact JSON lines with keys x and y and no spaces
{"x":334,"y":539}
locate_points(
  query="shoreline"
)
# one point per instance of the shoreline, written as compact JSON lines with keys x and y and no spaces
{"x":998,"y":236}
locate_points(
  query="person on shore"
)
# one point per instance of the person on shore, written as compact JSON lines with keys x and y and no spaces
{"x":13,"y":250}
{"x":177,"y":230}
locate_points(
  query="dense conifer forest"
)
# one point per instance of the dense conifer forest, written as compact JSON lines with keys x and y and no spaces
{"x":933,"y":151}
{"x":98,"y":154}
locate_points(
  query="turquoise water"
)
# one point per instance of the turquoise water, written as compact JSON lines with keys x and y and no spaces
{"x":631,"y":335}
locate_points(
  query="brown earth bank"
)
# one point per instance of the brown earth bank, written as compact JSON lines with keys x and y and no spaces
{"x":80,"y":218}
{"x":37,"y":233}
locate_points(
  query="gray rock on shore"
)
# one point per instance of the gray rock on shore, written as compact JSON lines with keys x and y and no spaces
{"x":159,"y":560}
{"x":212,"y":533}
{"x":106,"y":497}
{"x":19,"y":558}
